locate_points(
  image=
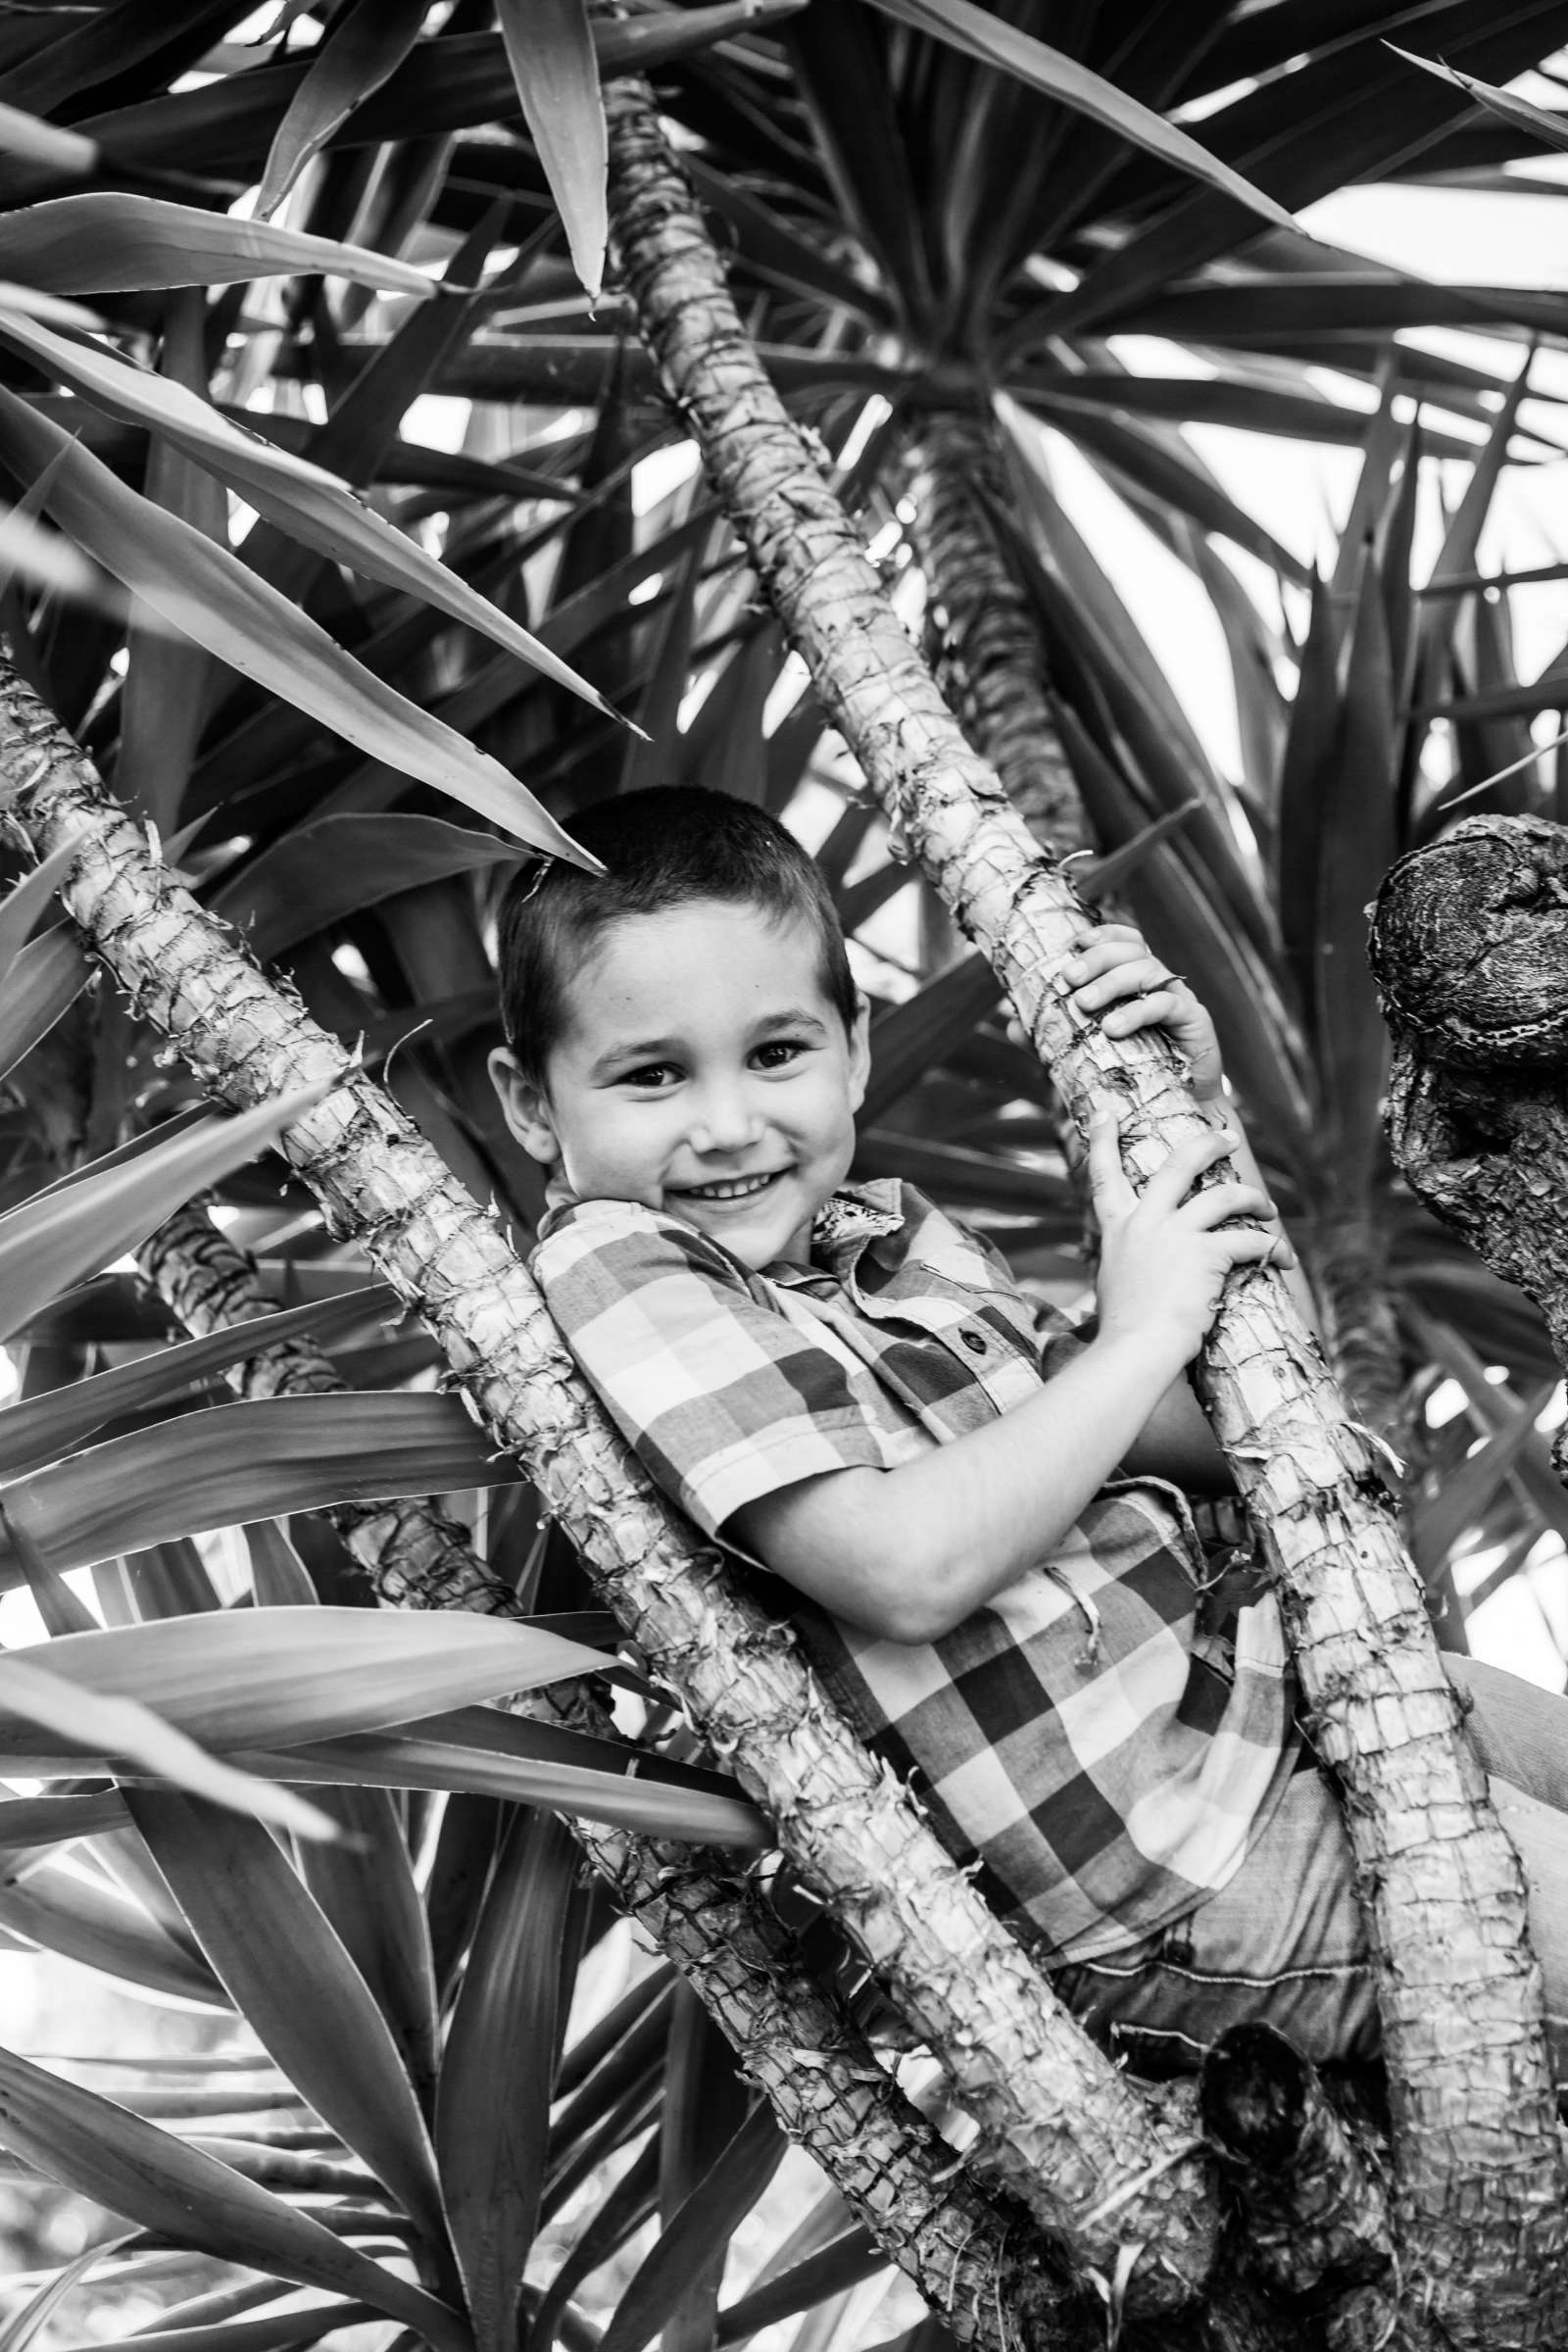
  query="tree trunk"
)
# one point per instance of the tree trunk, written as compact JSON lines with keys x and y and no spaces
{"x":1345,"y":1253}
{"x":1119,"y":2189}
{"x":1470,"y":950}
{"x":991,"y":662}
{"x":1481,"y":2180}
{"x":413,"y":1556}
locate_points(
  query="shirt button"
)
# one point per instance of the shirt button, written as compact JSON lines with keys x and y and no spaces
{"x":974,"y":1341}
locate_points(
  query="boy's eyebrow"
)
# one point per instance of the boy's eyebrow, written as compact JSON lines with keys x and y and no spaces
{"x":635,"y":1049}
{"x":795,"y":1016}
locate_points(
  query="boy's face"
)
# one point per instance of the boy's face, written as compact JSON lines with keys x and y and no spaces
{"x":704,"y":1070}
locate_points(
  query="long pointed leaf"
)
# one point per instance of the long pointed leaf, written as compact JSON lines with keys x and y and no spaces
{"x":493,"y":2108}
{"x":233,"y":1462}
{"x":265,"y":1938}
{"x":711,"y":2213}
{"x":49,"y":1244}
{"x":279,"y":1677}
{"x":104,"y":2152}
{"x":300,"y":497}
{"x":27,"y":901}
{"x":207,"y":592}
{"x":40,"y":1429}
{"x":417,"y":1757}
{"x":101,"y":244}
{"x":103,"y":1725}
{"x":550,"y":48}
{"x":45,"y":980}
{"x":977,"y":33}
{"x":362,"y":50}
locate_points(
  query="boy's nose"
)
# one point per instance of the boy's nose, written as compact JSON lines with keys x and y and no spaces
{"x":725,"y":1122}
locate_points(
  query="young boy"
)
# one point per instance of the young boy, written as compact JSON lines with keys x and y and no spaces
{"x":994,"y":1562}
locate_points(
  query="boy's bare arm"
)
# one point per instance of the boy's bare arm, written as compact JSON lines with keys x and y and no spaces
{"x":909,"y":1554}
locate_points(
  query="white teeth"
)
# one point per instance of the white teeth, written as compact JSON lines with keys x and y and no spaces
{"x":737,"y":1189}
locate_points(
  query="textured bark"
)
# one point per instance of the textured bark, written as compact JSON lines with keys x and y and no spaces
{"x":976,"y":2262}
{"x":991,"y":662}
{"x":414,"y":1554}
{"x":1470,"y":950}
{"x":1062,"y":2127}
{"x":1317,"y":2216}
{"x":1481,"y":2180}
{"x":1345,"y":1257}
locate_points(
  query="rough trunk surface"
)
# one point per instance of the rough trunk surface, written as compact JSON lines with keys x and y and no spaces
{"x":977,"y":2263}
{"x":1470,"y":950}
{"x":1481,"y":2180}
{"x":1063,"y":2130}
{"x":991,"y":662}
{"x":414,"y":1554}
{"x":1317,"y":2212}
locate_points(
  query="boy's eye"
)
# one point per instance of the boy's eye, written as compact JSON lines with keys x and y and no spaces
{"x":778,"y":1052}
{"x":650,"y":1075}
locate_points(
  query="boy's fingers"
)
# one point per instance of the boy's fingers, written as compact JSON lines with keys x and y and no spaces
{"x":1105,"y":1171}
{"x":1175,"y":1177}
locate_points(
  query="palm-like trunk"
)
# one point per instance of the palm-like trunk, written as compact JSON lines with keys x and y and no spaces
{"x":991,"y":662}
{"x":1064,"y":2129}
{"x":413,"y":1556}
{"x":1482,"y":2185}
{"x":976,"y":2262}
{"x":1467,"y":947}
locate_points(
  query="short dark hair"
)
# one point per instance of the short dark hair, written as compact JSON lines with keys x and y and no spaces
{"x":660,"y":848}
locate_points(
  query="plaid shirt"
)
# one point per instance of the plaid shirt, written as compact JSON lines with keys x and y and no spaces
{"x":1100,"y":1760}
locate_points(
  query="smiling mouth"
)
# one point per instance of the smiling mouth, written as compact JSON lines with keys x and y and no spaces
{"x":732,"y":1188}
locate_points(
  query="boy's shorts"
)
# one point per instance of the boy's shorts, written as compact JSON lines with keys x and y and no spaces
{"x":1284,"y":1944}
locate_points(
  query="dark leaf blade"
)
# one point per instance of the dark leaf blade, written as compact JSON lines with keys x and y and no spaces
{"x":263,"y":1933}
{"x":101,"y":243}
{"x":41,"y":985}
{"x":706,"y":2103}
{"x":981,"y":34}
{"x":829,"y":2272}
{"x":910,"y":1038}
{"x":41,"y":1429}
{"x":364,"y":1884}
{"x":1518,"y":112}
{"x":233,"y":1462}
{"x":52,"y":1241}
{"x":296,"y":494}
{"x":103,"y":2151}
{"x":81,"y":1920}
{"x":318,"y":873}
{"x":549,"y":47}
{"x":360,"y":52}
{"x":204,"y":591}
{"x":501,"y":1765}
{"x":493,"y":2104}
{"x":715,"y":2208}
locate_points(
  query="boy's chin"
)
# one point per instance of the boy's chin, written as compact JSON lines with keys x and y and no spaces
{"x":768,"y":1232}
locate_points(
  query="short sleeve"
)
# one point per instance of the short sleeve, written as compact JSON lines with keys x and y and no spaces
{"x":722,"y":1397}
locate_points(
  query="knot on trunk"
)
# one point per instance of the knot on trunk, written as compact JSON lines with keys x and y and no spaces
{"x":1313,"y":2211}
{"x":1469,"y":944}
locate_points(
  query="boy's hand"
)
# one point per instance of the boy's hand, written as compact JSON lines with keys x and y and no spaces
{"x":1163,"y":1257}
{"x":1112,"y":973}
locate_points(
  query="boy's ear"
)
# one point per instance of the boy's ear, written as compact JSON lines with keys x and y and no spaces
{"x":525,"y":1107}
{"x":859,"y":1050}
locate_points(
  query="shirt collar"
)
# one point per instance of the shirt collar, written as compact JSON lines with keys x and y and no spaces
{"x":843,"y":1229}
